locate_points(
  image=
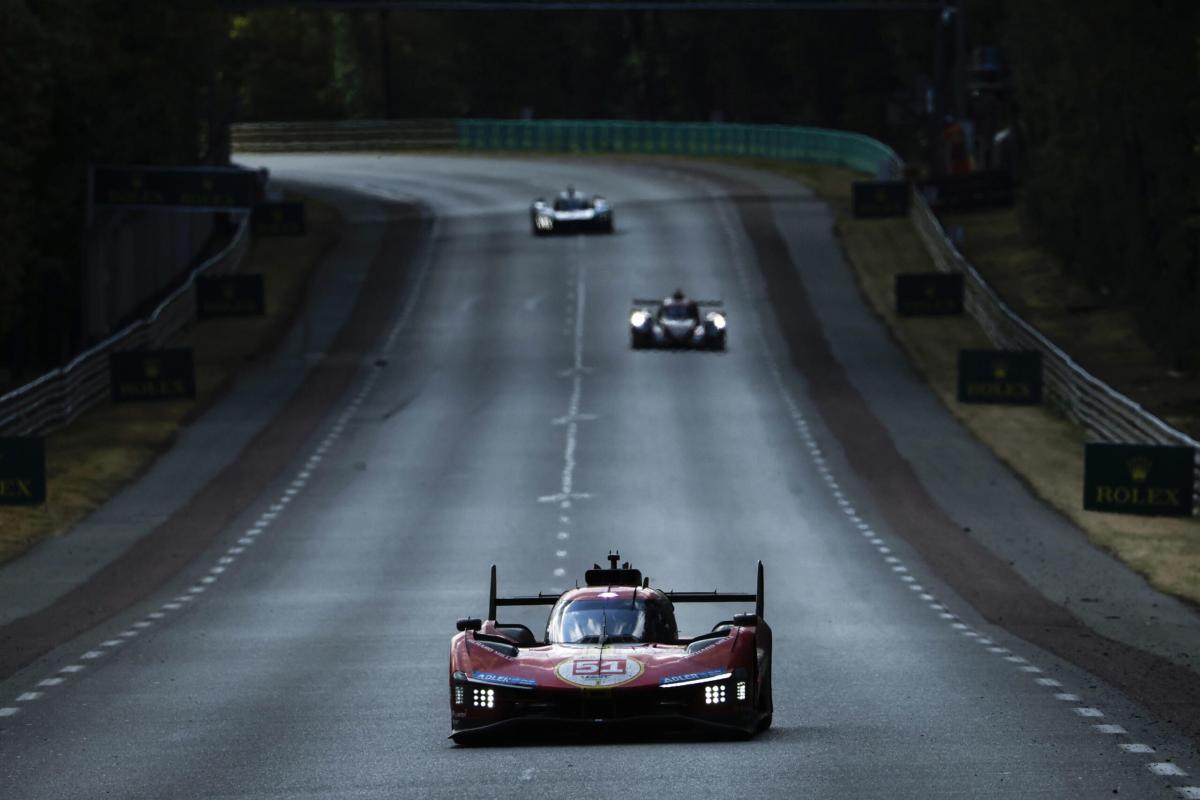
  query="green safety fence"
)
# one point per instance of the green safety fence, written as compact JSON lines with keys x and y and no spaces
{"x":813,"y":145}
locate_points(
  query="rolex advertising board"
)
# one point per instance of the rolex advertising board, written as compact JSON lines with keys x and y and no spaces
{"x":185,"y":188}
{"x":873,"y":199}
{"x":1152,"y":480}
{"x":278,"y":219}
{"x":999,"y":376}
{"x":230,"y":296}
{"x":924,"y":294}
{"x":22,"y":470}
{"x":147,"y":375}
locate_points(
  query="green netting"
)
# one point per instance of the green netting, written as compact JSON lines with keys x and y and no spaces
{"x":814,"y":145}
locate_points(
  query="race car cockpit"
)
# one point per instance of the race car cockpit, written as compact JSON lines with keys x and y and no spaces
{"x":619,"y":615}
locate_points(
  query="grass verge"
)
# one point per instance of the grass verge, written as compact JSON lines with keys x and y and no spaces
{"x":1042,"y":446}
{"x":89,"y":461}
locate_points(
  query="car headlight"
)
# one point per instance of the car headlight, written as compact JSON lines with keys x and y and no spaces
{"x":638,"y":318}
{"x":714,"y":694}
{"x":717,"y":321}
{"x":483,"y":698}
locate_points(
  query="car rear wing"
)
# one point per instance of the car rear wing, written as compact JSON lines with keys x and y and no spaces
{"x":642,"y":301}
{"x":529,"y":600}
{"x":758,"y":597}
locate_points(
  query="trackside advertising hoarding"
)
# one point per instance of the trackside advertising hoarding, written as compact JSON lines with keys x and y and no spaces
{"x":22,"y":471}
{"x":1151,"y":480}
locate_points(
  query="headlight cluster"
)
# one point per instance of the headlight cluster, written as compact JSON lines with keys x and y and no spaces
{"x":459,"y":696}
{"x":483,"y":698}
{"x":741,"y":690}
{"x":638,"y":318}
{"x":543,"y":222}
{"x":718,"y":322}
{"x":714,"y":694}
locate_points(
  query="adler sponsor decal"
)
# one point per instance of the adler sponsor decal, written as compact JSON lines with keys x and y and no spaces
{"x":1139,"y":479}
{"x":689,"y":677}
{"x":503,"y":680}
{"x":598,"y":672}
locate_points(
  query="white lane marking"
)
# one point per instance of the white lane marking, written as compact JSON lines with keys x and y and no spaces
{"x":563,"y":536}
{"x":560,"y":553}
{"x":217,"y":570}
{"x":1131,"y":747}
{"x":527,"y":774}
{"x":128,"y":634}
{"x":8,"y":711}
{"x":559,"y":572}
{"x":51,"y":682}
{"x":246,"y":540}
{"x":1187,"y":792}
{"x":1165,"y":768}
{"x":564,"y":520}
{"x":1015,"y":659}
{"x":572,"y":418}
{"x":532,"y":303}
{"x":111,"y":643}
{"x":208,"y":579}
{"x":1088,"y":711}
{"x":235,"y":551}
{"x":1030,"y":668}
{"x":155,"y":615}
{"x":1067,"y":697}
{"x":92,"y":654}
{"x":196,"y":589}
{"x":29,"y":697}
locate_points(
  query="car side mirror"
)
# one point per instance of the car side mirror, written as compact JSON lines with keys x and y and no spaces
{"x":468,"y":624}
{"x":745,"y":620}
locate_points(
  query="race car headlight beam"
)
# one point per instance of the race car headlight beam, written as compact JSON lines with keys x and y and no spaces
{"x":718,"y":322}
{"x":714,"y":694}
{"x":638,"y":318}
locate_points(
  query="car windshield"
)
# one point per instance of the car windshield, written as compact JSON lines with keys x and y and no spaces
{"x":585,"y":621}
{"x":572,"y":203}
{"x":678,"y":311}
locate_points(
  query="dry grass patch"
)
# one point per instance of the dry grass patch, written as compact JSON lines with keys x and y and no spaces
{"x":89,"y":461}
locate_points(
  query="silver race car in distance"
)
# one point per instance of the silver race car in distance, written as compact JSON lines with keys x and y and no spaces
{"x":571,"y":212}
{"x":677,"y":321}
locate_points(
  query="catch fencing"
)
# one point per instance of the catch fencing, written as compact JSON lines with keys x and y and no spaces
{"x":59,"y":396}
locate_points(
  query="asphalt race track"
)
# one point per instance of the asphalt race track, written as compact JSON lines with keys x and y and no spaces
{"x":468,"y":396}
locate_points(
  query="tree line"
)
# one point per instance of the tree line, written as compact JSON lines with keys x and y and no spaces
{"x":1103,"y":100}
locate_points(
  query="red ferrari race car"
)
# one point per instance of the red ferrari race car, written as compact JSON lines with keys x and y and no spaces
{"x":612,"y":656}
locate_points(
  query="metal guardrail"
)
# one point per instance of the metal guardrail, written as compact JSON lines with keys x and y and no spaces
{"x":814,"y":145}
{"x":346,"y":135}
{"x":1106,"y":414}
{"x":59,"y":396}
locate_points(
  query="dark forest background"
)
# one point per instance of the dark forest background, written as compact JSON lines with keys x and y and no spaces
{"x":1104,"y":98}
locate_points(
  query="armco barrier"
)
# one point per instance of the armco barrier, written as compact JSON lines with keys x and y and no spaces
{"x":1106,"y":414}
{"x":813,"y":145}
{"x":347,"y":135}
{"x":61,"y":395}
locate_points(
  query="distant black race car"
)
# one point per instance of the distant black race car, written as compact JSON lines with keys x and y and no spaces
{"x":677,"y":321}
{"x":571,"y":212}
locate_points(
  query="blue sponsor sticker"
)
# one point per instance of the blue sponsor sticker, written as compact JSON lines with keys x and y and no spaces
{"x":504,"y":680}
{"x":691,"y":676}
